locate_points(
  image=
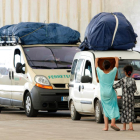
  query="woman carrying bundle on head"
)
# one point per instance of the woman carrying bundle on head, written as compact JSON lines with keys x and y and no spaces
{"x":108,"y":95}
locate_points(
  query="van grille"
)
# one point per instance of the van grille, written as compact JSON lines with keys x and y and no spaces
{"x":63,"y":105}
{"x":59,"y":85}
{"x":62,"y":94}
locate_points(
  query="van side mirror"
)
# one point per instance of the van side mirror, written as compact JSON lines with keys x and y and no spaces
{"x":86,"y":79}
{"x":19,"y":67}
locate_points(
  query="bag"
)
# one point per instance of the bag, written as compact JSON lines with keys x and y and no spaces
{"x":109,"y":31}
{"x":41,"y":33}
{"x":6,"y":30}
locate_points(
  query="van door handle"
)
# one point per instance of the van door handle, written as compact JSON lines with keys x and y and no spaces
{"x":9,"y":74}
{"x":82,"y":87}
{"x":12,"y":75}
{"x":79,"y":88}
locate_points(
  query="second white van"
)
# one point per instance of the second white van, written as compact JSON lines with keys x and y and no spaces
{"x":84,"y":89}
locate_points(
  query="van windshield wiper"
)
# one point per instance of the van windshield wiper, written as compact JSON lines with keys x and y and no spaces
{"x":60,"y":62}
{"x":44,"y":67}
{"x":43,"y":60}
{"x":64,"y":68}
{"x":63,"y":62}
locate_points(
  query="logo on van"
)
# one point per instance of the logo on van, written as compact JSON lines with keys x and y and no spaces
{"x":58,"y":76}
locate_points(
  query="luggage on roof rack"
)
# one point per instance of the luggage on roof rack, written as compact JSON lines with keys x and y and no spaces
{"x":109,"y":31}
{"x":40,"y":33}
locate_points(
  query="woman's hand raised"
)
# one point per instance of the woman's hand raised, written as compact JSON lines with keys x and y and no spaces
{"x":116,"y":62}
{"x":96,"y":62}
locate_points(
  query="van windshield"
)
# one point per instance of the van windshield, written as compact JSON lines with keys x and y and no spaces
{"x":43,"y":57}
{"x":134,"y":63}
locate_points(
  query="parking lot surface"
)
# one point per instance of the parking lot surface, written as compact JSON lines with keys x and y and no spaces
{"x":14,"y":125}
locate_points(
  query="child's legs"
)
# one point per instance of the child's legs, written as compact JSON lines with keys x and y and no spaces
{"x":130,"y":125}
{"x":124,"y":126}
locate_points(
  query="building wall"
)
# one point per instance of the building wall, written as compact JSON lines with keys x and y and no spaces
{"x":130,"y":8}
{"x":73,"y":13}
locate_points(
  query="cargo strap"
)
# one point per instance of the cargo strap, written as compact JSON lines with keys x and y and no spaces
{"x":116,"y":28}
{"x":32,"y":31}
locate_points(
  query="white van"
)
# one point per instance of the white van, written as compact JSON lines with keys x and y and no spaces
{"x":84,"y":90}
{"x":35,"y":77}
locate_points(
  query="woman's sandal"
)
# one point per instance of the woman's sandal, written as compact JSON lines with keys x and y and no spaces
{"x":115,"y":128}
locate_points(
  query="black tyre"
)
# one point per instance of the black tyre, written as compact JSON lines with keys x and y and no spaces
{"x":28,"y":106}
{"x":0,"y":109}
{"x":98,"y":112}
{"x":74,"y":114}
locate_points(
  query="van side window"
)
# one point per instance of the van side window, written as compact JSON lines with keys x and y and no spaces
{"x":79,"y":68}
{"x":73,"y":70}
{"x":18,"y":57}
{"x":5,"y":61}
{"x":88,"y":69}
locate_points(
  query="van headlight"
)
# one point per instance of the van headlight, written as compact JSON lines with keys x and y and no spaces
{"x":42,"y":80}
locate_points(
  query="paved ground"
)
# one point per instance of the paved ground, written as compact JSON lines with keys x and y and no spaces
{"x":14,"y":125}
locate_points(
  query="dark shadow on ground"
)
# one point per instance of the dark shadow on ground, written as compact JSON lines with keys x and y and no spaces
{"x":58,"y":114}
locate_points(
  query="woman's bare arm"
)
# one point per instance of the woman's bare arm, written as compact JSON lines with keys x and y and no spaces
{"x":96,"y":62}
{"x":116,"y":62}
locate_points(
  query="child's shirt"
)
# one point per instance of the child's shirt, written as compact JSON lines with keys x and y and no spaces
{"x":128,"y":86}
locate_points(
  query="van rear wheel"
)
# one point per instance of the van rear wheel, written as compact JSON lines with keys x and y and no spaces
{"x":0,"y":109}
{"x":74,"y":114}
{"x":29,"y":110}
{"x":98,"y":112}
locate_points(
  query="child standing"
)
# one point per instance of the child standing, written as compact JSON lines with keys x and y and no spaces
{"x":128,"y":86}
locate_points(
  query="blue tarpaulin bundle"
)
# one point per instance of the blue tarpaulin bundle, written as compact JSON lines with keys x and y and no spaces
{"x":6,"y":30}
{"x":41,"y":33}
{"x":109,"y":31}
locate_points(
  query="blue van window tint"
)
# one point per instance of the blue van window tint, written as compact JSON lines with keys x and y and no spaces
{"x":50,"y":57}
{"x":73,"y":70}
{"x":134,"y":63}
{"x":78,"y":73}
{"x":5,"y":61}
{"x":88,"y":69}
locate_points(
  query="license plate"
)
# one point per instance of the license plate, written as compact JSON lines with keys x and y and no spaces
{"x":64,"y":98}
{"x":137,"y":105}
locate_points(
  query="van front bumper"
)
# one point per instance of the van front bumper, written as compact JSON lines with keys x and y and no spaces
{"x":49,"y":99}
{"x":136,"y":110}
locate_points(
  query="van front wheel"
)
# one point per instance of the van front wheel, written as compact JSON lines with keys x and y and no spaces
{"x":29,"y":110}
{"x":74,"y":114}
{"x":98,"y":112}
{"x":0,"y":109}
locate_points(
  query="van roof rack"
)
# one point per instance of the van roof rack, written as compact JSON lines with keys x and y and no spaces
{"x":9,"y":40}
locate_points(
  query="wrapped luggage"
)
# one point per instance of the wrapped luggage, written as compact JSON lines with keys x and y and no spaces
{"x":109,"y":31}
{"x":41,"y":33}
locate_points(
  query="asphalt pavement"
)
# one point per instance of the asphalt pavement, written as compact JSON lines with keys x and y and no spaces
{"x":14,"y":125}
